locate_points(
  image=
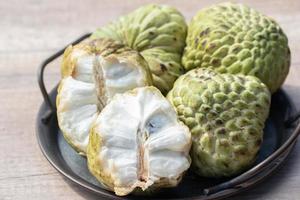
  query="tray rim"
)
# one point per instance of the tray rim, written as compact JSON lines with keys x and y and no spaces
{"x":42,"y":118}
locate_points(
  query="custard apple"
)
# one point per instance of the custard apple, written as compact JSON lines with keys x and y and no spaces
{"x":158,"y":32}
{"x":138,"y":143}
{"x":226,"y":115}
{"x":92,"y":73}
{"x":233,"y":38}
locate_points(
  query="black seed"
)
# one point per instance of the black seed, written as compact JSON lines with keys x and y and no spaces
{"x":151,"y":125}
{"x":151,"y":33}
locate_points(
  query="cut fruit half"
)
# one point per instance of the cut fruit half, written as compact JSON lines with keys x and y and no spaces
{"x":93,"y":73}
{"x":137,"y":141}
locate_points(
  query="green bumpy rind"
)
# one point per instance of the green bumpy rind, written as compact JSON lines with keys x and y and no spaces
{"x":226,"y":115}
{"x":158,"y":32}
{"x":233,"y":38}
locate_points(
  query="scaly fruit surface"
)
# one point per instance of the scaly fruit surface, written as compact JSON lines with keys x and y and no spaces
{"x":226,"y":115}
{"x":138,"y":143}
{"x":236,"y":39}
{"x":156,"y":31}
{"x":92,"y":73}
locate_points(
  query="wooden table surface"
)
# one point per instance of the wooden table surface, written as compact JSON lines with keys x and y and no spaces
{"x":31,"y":30}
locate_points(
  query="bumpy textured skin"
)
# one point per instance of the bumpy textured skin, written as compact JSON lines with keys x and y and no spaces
{"x":107,"y":48}
{"x":233,"y":38}
{"x":158,"y":32}
{"x":226,"y":115}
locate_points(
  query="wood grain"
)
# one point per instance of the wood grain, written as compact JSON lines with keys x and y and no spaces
{"x":31,"y":30}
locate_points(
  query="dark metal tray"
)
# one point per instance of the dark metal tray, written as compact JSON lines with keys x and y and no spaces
{"x":280,"y":135}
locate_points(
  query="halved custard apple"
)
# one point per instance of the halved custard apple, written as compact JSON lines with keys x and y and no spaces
{"x":92,"y":73}
{"x":138,"y":142}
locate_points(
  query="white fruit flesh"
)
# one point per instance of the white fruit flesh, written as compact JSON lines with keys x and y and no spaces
{"x":77,"y":109}
{"x":84,"y":68}
{"x":142,"y":141}
{"x":79,"y":103}
{"x":120,"y":75}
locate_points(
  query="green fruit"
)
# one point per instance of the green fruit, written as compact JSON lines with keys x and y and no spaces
{"x":138,"y":144}
{"x":226,"y":115}
{"x":158,"y":33}
{"x":92,"y":73}
{"x":233,"y":38}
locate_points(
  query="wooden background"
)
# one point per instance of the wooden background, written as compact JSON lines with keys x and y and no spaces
{"x":31,"y":30}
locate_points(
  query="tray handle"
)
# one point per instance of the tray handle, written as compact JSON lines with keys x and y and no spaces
{"x":40,"y":76}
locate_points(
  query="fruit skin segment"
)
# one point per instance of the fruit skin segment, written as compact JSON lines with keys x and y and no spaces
{"x":143,"y":148}
{"x":84,"y":49}
{"x":236,"y":39}
{"x":92,"y":72}
{"x":226,"y":115}
{"x":158,"y":32}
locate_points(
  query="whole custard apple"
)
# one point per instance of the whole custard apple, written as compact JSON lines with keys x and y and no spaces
{"x":233,"y":38}
{"x":158,"y":32}
{"x":226,"y":115}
